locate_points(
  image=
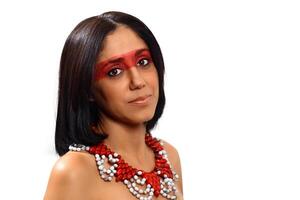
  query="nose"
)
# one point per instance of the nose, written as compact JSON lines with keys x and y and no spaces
{"x":136,"y":79}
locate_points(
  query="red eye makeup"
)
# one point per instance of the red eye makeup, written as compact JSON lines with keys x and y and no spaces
{"x":123,"y":61}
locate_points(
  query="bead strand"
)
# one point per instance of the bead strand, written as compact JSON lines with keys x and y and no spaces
{"x":107,"y":174}
{"x":78,"y":147}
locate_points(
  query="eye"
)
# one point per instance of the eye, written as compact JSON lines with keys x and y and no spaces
{"x":143,"y":62}
{"x":114,"y":72}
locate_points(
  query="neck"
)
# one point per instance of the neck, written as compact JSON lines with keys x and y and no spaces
{"x":127,"y":140}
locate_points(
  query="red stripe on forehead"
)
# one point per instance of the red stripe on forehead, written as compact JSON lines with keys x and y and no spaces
{"x":117,"y":57}
{"x":127,"y":60}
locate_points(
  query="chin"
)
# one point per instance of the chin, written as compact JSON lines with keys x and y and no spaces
{"x":141,"y":118}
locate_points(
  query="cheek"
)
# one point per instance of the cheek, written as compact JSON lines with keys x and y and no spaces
{"x":109,"y":95}
{"x":152,"y":80}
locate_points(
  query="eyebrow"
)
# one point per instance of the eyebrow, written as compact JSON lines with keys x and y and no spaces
{"x":140,"y":51}
{"x":121,"y":59}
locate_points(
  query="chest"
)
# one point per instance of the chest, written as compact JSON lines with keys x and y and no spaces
{"x":119,"y":191}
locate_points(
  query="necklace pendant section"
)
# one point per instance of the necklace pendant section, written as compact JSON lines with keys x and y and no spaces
{"x":139,"y":187}
{"x":107,"y":174}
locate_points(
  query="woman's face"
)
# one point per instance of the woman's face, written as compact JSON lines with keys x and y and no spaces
{"x":124,"y":72}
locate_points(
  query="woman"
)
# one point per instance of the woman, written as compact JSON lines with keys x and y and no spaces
{"x":110,"y":97}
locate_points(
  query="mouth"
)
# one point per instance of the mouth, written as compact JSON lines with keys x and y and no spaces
{"x":141,"y":99}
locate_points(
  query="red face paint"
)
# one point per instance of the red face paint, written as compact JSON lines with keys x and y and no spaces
{"x":123,"y":61}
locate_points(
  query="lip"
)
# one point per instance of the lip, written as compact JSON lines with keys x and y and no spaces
{"x":141,"y":100}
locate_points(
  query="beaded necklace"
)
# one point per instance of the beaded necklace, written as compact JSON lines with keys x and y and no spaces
{"x":160,"y":181}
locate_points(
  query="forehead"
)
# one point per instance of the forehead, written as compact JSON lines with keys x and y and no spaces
{"x":120,"y":42}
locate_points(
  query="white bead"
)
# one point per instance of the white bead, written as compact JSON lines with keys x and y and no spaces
{"x":115,"y":155}
{"x":135,"y":177}
{"x":139,"y":173}
{"x":103,"y":156}
{"x":131,"y":190}
{"x":126,"y":181}
{"x":141,"y":191}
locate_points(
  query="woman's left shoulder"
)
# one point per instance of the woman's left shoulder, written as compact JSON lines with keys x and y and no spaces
{"x":172,"y":152}
{"x":174,"y":159}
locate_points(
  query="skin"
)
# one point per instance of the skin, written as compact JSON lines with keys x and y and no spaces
{"x":75,"y":175}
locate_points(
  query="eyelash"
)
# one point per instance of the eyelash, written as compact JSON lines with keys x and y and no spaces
{"x":115,"y":68}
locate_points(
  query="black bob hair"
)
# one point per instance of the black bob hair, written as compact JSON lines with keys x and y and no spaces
{"x":75,"y":112}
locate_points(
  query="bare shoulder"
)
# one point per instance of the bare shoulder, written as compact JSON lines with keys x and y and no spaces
{"x":70,"y":176}
{"x":171,"y":150}
{"x":174,"y":159}
{"x":73,"y":164}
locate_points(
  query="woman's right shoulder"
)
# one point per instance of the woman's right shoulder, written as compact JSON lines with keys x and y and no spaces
{"x":73,"y":164}
{"x":73,"y":161}
{"x":70,"y":176}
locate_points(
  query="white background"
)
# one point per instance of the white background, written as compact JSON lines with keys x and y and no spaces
{"x":232,"y":89}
